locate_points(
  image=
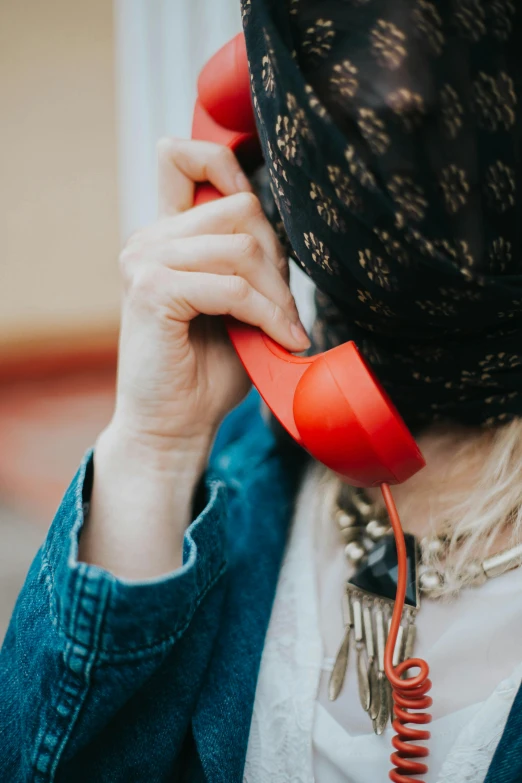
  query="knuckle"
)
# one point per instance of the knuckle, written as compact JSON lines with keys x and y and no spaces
{"x":248,"y":245}
{"x":289,"y":304}
{"x":222,"y":157}
{"x":282,"y":262}
{"x":147,"y":285}
{"x":165,"y":146}
{"x":274,"y":314}
{"x":238,"y":288}
{"x":130,"y":253}
{"x":248,"y":204}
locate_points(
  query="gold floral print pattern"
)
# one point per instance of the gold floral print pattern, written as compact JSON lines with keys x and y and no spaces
{"x":375,"y":305}
{"x":459,"y":294}
{"x":470,"y":378}
{"x":281,"y":199}
{"x":452,"y":110}
{"x":501,"y":399}
{"x":276,"y":164}
{"x":470,"y":18}
{"x":455,"y":187}
{"x":408,"y":196}
{"x":388,"y":44}
{"x":344,"y":79}
{"x":393,"y":126}
{"x":290,"y":129}
{"x":246,"y":10}
{"x":377,"y":269}
{"x":318,"y":39}
{"x":326,"y":208}
{"x":255,"y":101}
{"x":500,"y":183}
{"x":428,"y":25}
{"x":408,"y":106}
{"x":458,"y":252}
{"x":373,"y":130}
{"x":277,"y":173}
{"x":501,"y":18}
{"x":515,"y":311}
{"x":319,"y":252}
{"x":500,"y":418}
{"x":287,"y":138}
{"x":432,"y":352}
{"x":299,"y":117}
{"x":426,"y":378}
{"x":499,"y":361}
{"x":267,"y":68}
{"x":494,"y":100}
{"x":370,"y":352}
{"x":344,"y":187}
{"x":268,"y":75}
{"x":416,"y":239}
{"x":366,"y":326}
{"x":315,"y":103}
{"x":393,"y":248}
{"x":436,"y":308}
{"x":358,"y":169}
{"x":500,"y":255}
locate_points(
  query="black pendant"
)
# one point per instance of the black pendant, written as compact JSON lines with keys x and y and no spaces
{"x":377,"y":573}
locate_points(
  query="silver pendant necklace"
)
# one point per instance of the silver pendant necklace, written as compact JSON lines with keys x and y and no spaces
{"x":368,"y":597}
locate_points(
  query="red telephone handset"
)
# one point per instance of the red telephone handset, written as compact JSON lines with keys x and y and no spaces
{"x":332,"y":403}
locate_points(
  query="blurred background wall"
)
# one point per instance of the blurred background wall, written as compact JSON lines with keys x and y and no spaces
{"x":59,"y":229}
{"x":161,"y":46}
{"x":86,"y":89}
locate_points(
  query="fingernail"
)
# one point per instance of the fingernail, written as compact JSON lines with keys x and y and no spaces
{"x":243,"y":182}
{"x":300,"y":335}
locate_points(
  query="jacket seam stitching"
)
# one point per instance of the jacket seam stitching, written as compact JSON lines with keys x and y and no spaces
{"x":159,"y":645}
{"x":84,"y":673}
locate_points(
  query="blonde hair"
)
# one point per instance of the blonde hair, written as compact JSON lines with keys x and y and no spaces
{"x":470,"y":493}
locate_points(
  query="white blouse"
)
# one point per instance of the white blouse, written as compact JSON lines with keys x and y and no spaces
{"x":473,"y":646}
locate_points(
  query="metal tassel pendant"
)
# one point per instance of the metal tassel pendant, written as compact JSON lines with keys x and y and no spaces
{"x":379,"y":724}
{"x":384,"y":707}
{"x":338,"y":674}
{"x":375,"y":700}
{"x":370,"y":650}
{"x":362,"y":668}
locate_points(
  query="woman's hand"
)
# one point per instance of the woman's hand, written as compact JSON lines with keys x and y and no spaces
{"x":178,"y":374}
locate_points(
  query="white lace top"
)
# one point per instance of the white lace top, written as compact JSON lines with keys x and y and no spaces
{"x":473,"y":647}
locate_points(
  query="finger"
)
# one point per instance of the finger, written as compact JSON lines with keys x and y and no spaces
{"x":183,"y":162}
{"x":192,"y":293}
{"x":241,"y":213}
{"x":228,"y":254}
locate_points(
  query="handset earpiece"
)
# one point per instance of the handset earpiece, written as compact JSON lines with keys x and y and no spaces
{"x":332,"y":404}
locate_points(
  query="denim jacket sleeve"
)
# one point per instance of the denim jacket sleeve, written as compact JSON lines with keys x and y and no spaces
{"x":84,"y":651}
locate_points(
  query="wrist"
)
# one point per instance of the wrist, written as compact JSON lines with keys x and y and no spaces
{"x":154,"y":453}
{"x":141,"y":502}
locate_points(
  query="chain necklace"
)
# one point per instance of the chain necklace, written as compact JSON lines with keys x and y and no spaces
{"x":368,"y":598}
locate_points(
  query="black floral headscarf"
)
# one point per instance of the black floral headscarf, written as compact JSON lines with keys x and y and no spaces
{"x":392,"y":135}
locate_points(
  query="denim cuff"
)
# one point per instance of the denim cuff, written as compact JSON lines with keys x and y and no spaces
{"x":119,"y":618}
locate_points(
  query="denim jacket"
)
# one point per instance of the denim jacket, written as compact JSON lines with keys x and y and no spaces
{"x":104,"y":680}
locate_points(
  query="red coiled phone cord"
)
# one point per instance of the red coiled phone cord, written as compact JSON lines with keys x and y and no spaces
{"x":409,"y":694}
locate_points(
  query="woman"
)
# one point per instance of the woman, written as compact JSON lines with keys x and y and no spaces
{"x":146,"y":643}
